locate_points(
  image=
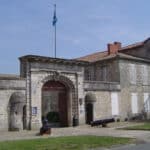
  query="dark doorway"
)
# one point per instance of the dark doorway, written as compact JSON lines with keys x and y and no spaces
{"x":55,"y":103}
{"x":63,"y":109}
{"x":24,"y":117}
{"x":89,"y":113}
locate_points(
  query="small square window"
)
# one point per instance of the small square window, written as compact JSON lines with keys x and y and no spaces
{"x":34,"y":110}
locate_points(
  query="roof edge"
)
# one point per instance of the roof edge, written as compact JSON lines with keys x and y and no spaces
{"x":32,"y":58}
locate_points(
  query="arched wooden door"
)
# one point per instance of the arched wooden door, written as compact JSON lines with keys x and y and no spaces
{"x":55,"y":102}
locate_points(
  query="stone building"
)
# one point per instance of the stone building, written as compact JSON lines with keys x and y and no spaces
{"x":112,"y":83}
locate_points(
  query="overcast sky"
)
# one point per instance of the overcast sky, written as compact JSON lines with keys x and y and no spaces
{"x":83,"y":27}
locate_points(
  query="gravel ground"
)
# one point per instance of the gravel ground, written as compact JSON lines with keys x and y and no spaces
{"x":81,"y":130}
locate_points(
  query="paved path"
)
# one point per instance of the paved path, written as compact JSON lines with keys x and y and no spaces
{"x":141,"y":136}
{"x":145,"y":146}
{"x":81,"y":130}
{"x":134,"y":147}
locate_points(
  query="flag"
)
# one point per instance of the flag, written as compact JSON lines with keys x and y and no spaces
{"x":54,"y":17}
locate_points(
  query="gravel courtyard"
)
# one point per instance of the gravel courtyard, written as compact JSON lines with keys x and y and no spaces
{"x":111,"y":130}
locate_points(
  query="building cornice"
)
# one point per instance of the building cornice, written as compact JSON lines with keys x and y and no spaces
{"x":35,"y":58}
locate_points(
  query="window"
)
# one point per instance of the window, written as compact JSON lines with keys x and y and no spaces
{"x":134,"y":103}
{"x":87,"y":75}
{"x":103,"y":73}
{"x":34,"y":110}
{"x":144,"y":75}
{"x":132,"y":73}
{"x":114,"y":103}
{"x":146,"y":102}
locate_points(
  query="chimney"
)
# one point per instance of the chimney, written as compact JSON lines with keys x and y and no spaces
{"x":113,"y":48}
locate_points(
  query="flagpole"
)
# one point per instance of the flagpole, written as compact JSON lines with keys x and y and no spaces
{"x":54,"y":24}
{"x":55,"y":31}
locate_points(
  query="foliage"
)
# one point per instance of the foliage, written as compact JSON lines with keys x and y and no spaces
{"x":53,"y":117}
{"x":64,"y":143}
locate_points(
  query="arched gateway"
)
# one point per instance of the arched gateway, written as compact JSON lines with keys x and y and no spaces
{"x":55,"y":102}
{"x":58,"y":101}
{"x":17,"y":112}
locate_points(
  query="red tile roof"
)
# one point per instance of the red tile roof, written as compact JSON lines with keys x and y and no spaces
{"x":99,"y":55}
{"x":94,"y":57}
{"x":135,"y":45}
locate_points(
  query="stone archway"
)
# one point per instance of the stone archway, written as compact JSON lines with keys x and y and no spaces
{"x":15,"y":113}
{"x":63,"y":94}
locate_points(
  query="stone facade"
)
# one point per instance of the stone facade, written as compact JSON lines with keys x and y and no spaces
{"x":113,"y":83}
{"x":137,"y":75}
{"x":39,"y":72}
{"x":9,"y":86}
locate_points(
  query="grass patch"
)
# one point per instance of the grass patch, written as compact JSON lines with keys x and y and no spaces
{"x":64,"y":143}
{"x":145,"y":126}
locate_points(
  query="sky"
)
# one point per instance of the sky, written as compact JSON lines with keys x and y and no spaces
{"x":83,"y":27}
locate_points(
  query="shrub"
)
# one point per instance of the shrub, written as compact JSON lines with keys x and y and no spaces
{"x":53,"y":117}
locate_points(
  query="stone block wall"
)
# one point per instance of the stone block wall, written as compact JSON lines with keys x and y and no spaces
{"x":7,"y":88}
{"x":40,"y":73}
{"x":107,"y":71}
{"x":102,"y":107}
{"x":133,"y":81}
{"x":141,"y":51}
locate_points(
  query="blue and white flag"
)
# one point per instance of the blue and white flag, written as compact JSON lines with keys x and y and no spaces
{"x":54,"y":17}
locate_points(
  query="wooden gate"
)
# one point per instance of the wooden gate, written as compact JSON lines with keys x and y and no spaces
{"x":63,"y":109}
{"x":54,"y":99}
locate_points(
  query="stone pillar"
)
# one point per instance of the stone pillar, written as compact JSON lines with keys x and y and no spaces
{"x":28,"y":97}
{"x":36,"y":98}
{"x":81,"y":103}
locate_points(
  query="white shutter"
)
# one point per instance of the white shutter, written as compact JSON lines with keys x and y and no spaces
{"x":146,"y":102}
{"x":144,"y":75}
{"x":114,"y":103}
{"x":134,"y":103}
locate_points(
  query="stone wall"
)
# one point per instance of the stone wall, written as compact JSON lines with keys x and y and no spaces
{"x":107,"y":71}
{"x":8,"y":86}
{"x":101,"y":86}
{"x":141,"y":51}
{"x":39,"y":73}
{"x":133,"y":80}
{"x":103,"y":105}
{"x":106,"y":80}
